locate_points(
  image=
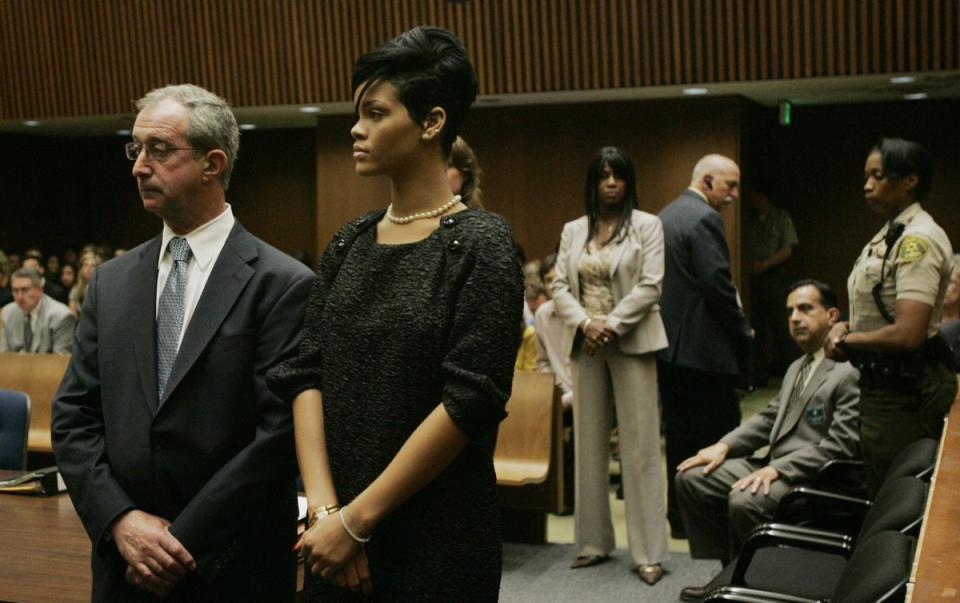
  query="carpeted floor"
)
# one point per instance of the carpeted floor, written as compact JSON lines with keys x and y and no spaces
{"x":535,"y":573}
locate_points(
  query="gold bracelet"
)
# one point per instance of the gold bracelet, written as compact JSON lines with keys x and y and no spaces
{"x":319,"y":512}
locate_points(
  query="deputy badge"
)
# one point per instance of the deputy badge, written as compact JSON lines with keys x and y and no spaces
{"x":912,"y":248}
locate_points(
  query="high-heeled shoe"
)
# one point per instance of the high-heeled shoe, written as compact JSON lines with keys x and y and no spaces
{"x":651,"y":574}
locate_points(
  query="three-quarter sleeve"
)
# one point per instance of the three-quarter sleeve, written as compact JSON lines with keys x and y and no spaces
{"x":485,"y":328}
{"x":304,"y":371}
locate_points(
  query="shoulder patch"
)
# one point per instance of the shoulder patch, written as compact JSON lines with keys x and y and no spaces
{"x":912,"y":248}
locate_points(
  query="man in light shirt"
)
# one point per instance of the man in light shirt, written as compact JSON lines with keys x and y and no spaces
{"x":179,"y":460}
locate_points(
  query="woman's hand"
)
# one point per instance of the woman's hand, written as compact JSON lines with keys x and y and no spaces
{"x":355,"y":575}
{"x":833,"y":346}
{"x":597,"y":335}
{"x":326,"y":547}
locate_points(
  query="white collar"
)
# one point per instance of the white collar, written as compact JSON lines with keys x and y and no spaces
{"x":205,"y":242}
{"x":699,"y":193}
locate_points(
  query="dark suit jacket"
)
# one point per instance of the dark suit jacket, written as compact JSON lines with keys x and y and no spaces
{"x":706,"y":328}
{"x":216,"y":455}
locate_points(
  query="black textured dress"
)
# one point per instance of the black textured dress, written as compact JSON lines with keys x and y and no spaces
{"x":390,"y":332}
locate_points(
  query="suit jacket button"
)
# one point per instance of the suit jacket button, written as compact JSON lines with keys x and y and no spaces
{"x":156,"y":445}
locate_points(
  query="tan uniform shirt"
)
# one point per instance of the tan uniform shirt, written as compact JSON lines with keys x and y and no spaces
{"x":917,"y":268}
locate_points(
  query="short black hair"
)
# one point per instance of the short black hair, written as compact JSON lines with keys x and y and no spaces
{"x":622,"y":168}
{"x":828,"y":297}
{"x":546,"y":264}
{"x":430,"y":68}
{"x":901,"y":158}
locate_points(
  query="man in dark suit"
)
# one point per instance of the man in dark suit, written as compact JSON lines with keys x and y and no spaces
{"x":724,"y":493}
{"x":708,"y":334}
{"x":179,"y":460}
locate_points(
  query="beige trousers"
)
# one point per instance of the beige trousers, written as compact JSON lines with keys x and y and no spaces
{"x":605,"y":383}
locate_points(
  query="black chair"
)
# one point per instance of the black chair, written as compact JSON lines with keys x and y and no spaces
{"x":878,"y":572}
{"x":14,"y":429}
{"x":828,"y":506}
{"x":809,"y":563}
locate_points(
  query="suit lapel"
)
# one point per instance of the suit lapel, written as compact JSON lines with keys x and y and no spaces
{"x":576,"y":248}
{"x":796,"y":410}
{"x":143,"y":320}
{"x":786,"y":391}
{"x":229,"y":276}
{"x":616,"y":252}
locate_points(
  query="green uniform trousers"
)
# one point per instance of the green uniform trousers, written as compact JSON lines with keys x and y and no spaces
{"x":894,"y":415}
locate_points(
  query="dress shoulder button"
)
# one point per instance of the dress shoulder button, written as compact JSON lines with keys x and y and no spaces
{"x":449,"y":221}
{"x":455,"y":245}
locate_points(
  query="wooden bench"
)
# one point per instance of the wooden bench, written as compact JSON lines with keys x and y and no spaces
{"x":38,"y":375}
{"x":529,"y":457}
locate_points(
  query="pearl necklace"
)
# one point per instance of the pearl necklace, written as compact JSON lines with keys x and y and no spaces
{"x":423,"y":215}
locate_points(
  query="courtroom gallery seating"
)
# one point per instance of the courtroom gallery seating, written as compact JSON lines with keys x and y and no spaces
{"x":14,"y":427}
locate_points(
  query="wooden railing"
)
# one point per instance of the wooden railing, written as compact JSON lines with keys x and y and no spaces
{"x":936,"y":571}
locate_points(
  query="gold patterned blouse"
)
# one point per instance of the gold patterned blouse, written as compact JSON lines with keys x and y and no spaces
{"x":596,"y":288}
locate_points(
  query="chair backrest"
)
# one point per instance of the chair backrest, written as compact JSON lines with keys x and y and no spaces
{"x":899,"y":506}
{"x":878,"y":570}
{"x":917,"y":459}
{"x":14,"y":428}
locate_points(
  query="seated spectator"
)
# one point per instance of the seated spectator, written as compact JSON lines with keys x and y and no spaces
{"x":53,"y":268}
{"x":534,"y":295}
{"x":6,"y":296}
{"x":950,"y":315}
{"x":68,"y":276}
{"x":813,"y":419}
{"x":549,"y":330}
{"x":35,"y":322}
{"x":34,"y":259}
{"x":89,"y":260}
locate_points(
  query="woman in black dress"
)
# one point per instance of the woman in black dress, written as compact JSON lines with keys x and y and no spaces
{"x":407,"y":350}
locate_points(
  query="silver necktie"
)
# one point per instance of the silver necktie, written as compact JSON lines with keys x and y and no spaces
{"x":170,"y":312}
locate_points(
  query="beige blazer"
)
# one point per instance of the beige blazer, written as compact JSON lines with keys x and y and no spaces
{"x":636,"y":272}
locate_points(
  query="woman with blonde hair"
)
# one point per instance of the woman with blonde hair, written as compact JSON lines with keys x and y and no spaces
{"x":89,"y":260}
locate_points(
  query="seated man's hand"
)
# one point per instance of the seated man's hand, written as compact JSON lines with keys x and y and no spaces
{"x":711,"y":456}
{"x":156,"y":559}
{"x":759,"y":478}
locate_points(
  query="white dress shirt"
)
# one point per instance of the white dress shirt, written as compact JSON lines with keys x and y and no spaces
{"x":206,"y":243}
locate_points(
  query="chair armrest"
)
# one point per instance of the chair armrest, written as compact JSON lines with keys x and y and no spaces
{"x":776,"y":534}
{"x":828,"y":501}
{"x":742,"y":594}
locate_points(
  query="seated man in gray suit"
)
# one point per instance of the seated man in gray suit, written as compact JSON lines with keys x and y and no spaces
{"x":35,"y":322}
{"x":813,"y":419}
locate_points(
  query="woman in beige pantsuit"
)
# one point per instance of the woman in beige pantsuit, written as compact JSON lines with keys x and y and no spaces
{"x":607,"y":288}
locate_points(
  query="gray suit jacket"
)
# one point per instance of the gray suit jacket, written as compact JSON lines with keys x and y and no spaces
{"x":636,"y":272}
{"x":830,"y":400}
{"x":705,"y":325}
{"x":52,"y":328}
{"x":215,"y":456}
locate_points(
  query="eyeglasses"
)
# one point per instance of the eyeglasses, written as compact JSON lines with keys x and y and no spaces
{"x":156,"y":150}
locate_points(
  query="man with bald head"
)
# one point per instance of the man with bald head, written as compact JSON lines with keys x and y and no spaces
{"x":708,"y":333}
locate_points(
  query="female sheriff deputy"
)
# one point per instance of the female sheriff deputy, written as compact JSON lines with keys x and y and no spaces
{"x":896,"y":292}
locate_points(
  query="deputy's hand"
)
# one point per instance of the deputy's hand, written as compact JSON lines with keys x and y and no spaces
{"x":134,"y":579}
{"x":156,"y":559}
{"x":761,"y":478}
{"x":711,"y":456}
{"x":833,"y":347}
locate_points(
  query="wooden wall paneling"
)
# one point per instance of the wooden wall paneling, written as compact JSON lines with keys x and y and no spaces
{"x":69,"y":58}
